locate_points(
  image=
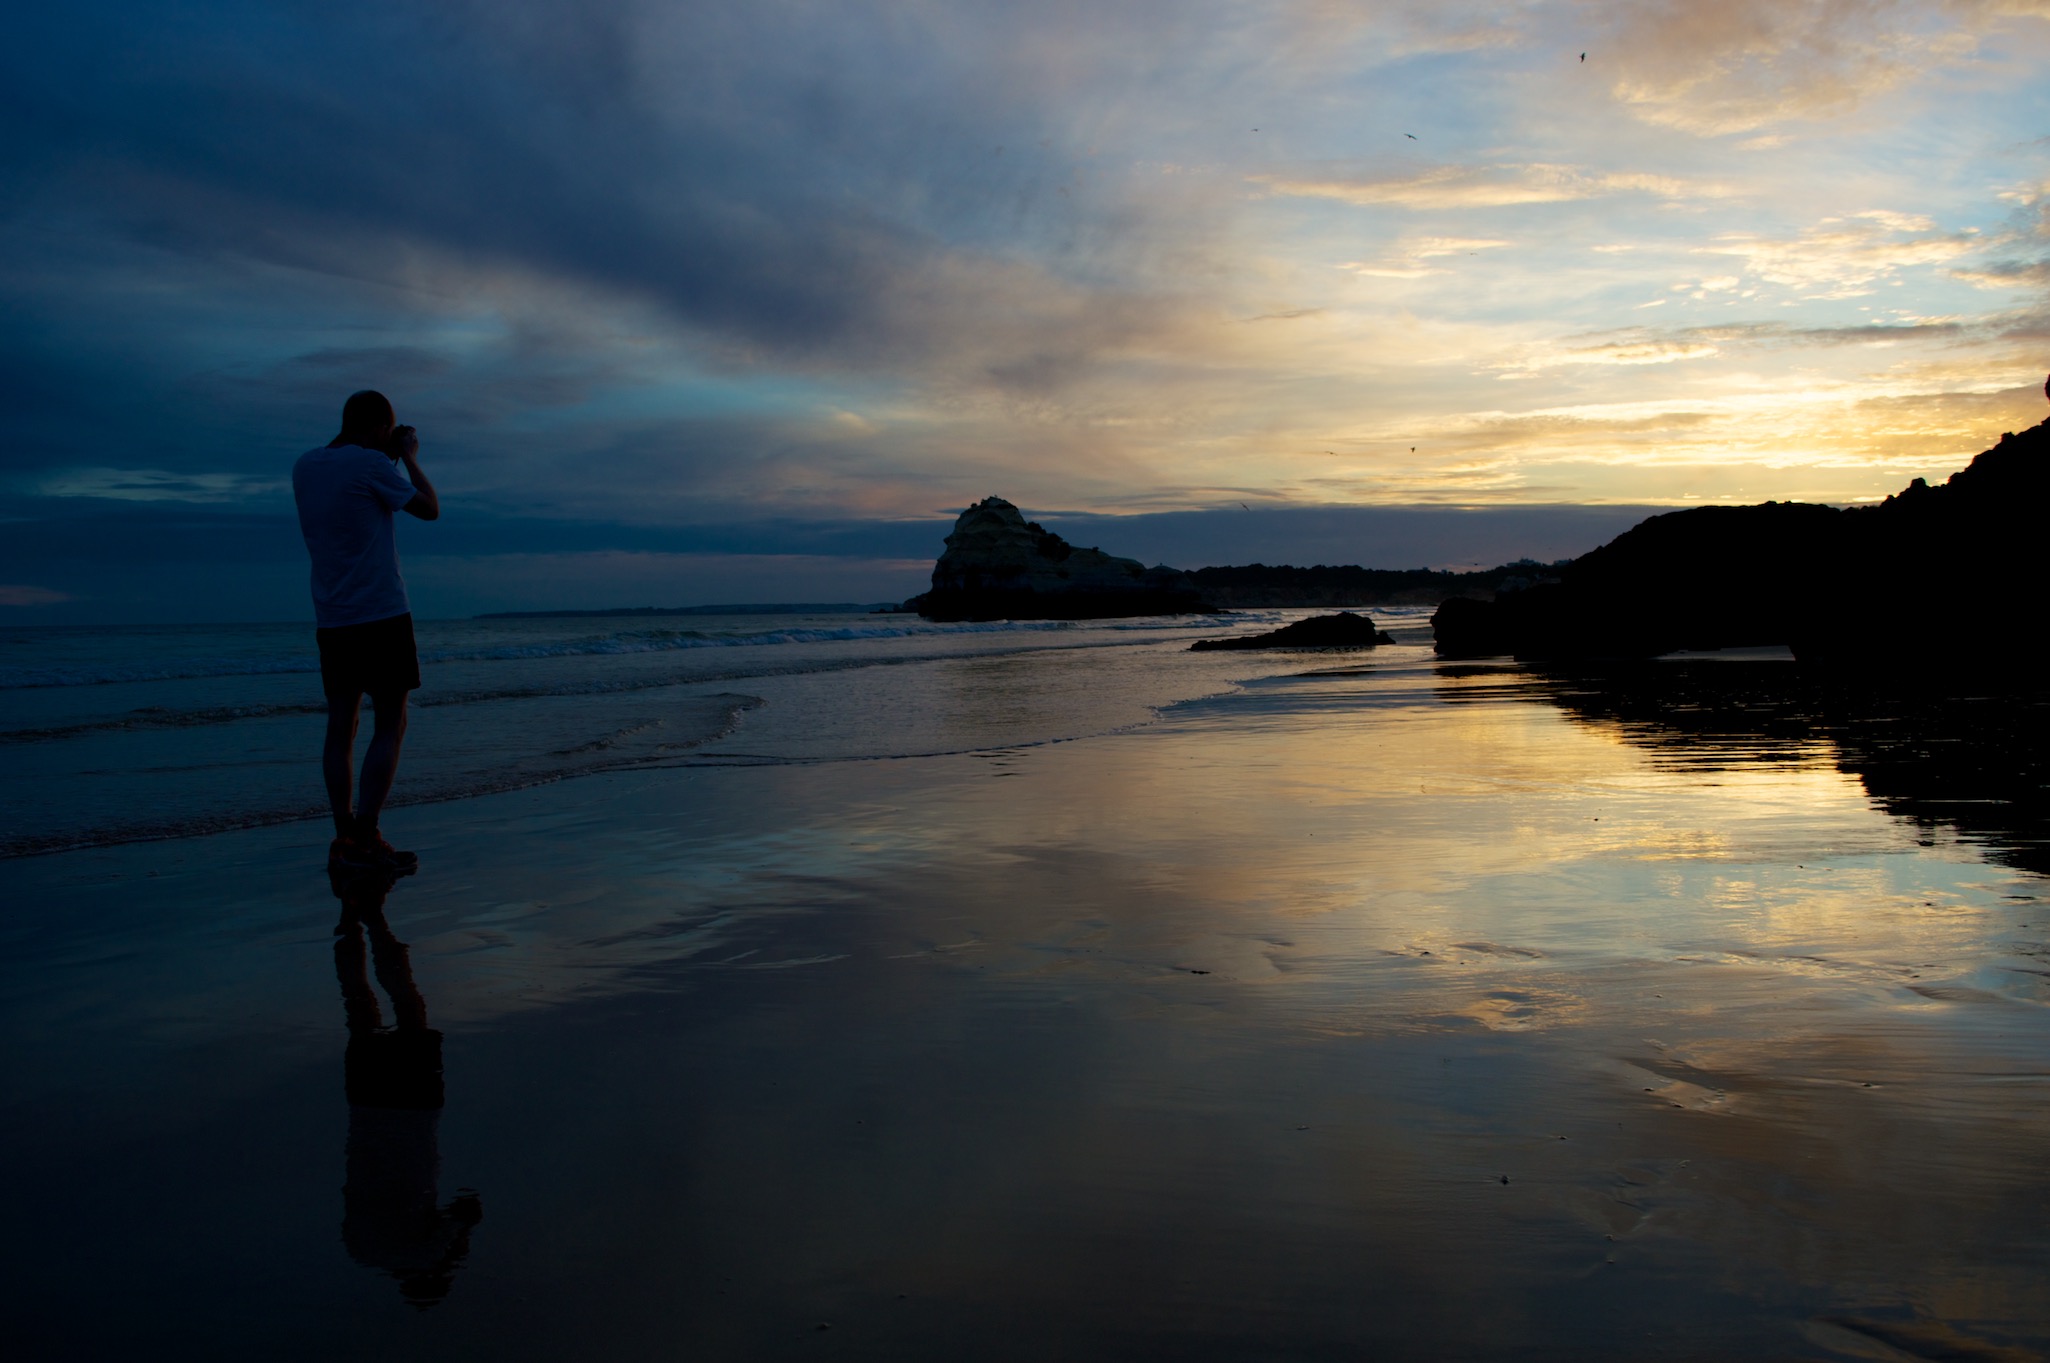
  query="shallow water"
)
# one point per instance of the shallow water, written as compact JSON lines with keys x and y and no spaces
{"x":1401,"y":1011}
{"x":114,"y":735}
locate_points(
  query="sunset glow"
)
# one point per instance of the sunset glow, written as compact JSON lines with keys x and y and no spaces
{"x":647,"y":264}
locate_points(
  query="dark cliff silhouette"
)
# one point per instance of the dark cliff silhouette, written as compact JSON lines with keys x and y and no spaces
{"x":1962,"y":558}
{"x":1842,"y":587}
{"x":391,"y":1217}
{"x":1707,"y":577}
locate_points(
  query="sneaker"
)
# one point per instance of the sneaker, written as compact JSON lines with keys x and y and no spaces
{"x":370,"y":851}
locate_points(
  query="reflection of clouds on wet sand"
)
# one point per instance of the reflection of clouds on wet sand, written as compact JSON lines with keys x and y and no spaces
{"x":1807,"y":1008}
{"x":1316,"y":967}
{"x":1406,"y":1009}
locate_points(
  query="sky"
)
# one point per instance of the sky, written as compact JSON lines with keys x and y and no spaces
{"x":696,"y":302}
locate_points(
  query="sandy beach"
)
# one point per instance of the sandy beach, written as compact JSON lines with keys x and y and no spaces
{"x":1404,"y":1011}
{"x":1007,"y":683}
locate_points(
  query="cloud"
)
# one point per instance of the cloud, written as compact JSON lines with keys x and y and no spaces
{"x":2027,"y":195}
{"x":2028,"y":226}
{"x":647,"y":265}
{"x":158,"y":485}
{"x":1489,"y":186}
{"x":1738,"y":65}
{"x":1637,"y":352}
{"x":2007,"y":274}
{"x":742,"y":172}
{"x":1842,"y":257}
{"x":1412,"y":259}
{"x":15,"y":594}
{"x":1649,"y":346}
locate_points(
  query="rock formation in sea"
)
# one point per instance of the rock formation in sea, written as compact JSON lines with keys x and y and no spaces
{"x":1934,"y":576}
{"x":1000,"y":566}
{"x":1343,"y":630}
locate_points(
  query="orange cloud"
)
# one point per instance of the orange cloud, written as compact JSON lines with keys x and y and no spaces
{"x":1491,"y":186}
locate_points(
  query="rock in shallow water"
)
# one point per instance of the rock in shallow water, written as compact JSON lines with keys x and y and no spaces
{"x":1343,"y":630}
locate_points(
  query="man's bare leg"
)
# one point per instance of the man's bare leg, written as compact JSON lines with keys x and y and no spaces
{"x":338,"y":759}
{"x":381,"y":761}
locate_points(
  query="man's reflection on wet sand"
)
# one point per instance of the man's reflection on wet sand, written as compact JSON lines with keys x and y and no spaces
{"x":390,"y":1217}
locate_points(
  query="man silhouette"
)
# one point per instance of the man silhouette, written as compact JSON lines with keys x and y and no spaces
{"x":347,"y":491}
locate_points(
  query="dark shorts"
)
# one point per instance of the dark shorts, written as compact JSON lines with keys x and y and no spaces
{"x":375,"y":659}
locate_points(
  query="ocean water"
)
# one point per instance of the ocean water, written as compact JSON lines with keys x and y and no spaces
{"x":847,"y":987}
{"x":111,"y":735}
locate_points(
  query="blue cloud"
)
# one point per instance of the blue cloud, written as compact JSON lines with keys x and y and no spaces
{"x":681,"y":278}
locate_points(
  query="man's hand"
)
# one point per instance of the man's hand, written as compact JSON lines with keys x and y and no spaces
{"x":405,"y":447}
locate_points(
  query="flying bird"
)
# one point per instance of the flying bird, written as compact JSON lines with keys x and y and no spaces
{"x":1411,"y":136}
{"x":1244,"y":507}
{"x":1583,"y":56}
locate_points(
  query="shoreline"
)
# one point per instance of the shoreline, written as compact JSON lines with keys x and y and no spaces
{"x":1214,"y":1036}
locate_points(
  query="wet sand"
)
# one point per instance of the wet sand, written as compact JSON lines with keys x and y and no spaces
{"x":1374,"y":1015}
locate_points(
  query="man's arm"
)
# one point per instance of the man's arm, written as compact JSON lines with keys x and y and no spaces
{"x":425,"y":505}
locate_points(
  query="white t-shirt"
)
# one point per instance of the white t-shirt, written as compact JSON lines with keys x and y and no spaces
{"x":346,"y":499}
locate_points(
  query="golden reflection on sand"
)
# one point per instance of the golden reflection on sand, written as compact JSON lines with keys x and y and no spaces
{"x":1400,"y":1002}
{"x":1348,"y":953}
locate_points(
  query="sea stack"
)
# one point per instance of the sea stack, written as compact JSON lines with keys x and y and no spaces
{"x":1000,"y":566}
